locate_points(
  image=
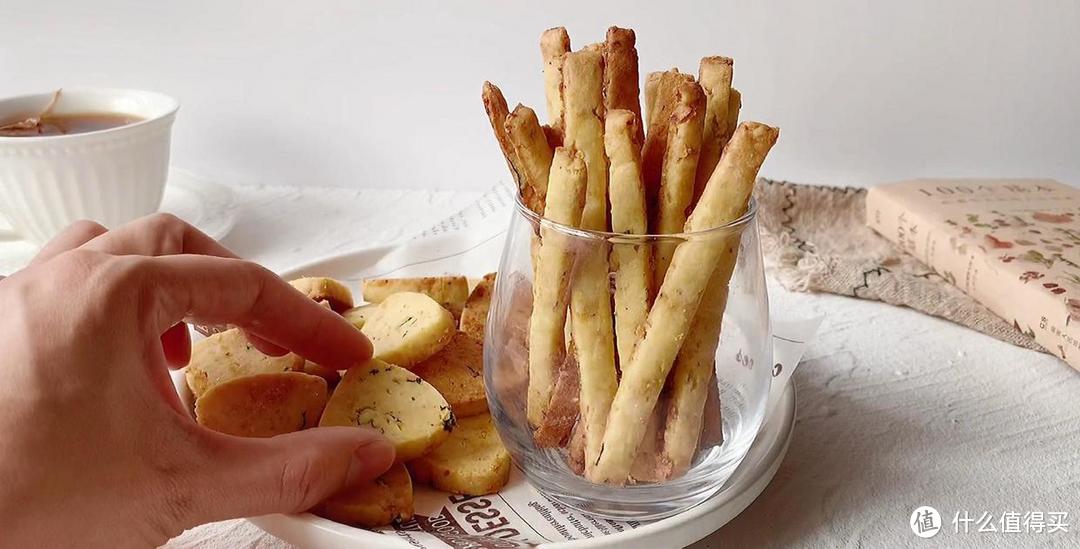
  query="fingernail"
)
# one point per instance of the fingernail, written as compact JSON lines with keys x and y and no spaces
{"x":371,"y":459}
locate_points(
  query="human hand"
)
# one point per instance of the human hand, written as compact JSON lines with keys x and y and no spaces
{"x":96,"y":447}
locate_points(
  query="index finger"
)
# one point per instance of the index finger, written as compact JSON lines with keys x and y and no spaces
{"x":219,"y":290}
{"x":73,"y":236}
{"x":155,"y":235}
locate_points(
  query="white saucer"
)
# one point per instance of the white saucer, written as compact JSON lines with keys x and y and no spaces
{"x":203,"y":203}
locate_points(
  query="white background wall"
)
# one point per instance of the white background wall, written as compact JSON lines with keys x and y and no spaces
{"x":350,"y":93}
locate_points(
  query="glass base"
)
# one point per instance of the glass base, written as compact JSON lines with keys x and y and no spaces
{"x":548,"y":472}
{"x":621,"y":508}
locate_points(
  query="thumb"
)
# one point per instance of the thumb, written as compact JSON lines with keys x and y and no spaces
{"x":287,"y":473}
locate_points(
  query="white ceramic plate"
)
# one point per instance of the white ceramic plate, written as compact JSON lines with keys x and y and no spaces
{"x":748,"y":481}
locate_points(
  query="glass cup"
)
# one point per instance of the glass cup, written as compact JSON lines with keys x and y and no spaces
{"x":670,"y":473}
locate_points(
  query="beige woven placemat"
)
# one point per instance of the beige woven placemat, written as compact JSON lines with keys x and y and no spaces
{"x":815,"y":240}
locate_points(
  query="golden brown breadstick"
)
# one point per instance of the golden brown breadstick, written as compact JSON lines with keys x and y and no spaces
{"x":724,"y":200}
{"x":652,"y":153}
{"x":630,"y":261}
{"x":652,"y":81}
{"x":562,"y":412}
{"x":734,"y":105}
{"x":554,"y":45}
{"x":553,"y":136}
{"x":727,"y":193}
{"x":583,"y":128}
{"x":714,"y":74}
{"x":693,"y":380}
{"x":594,"y":339}
{"x":679,"y":169}
{"x":575,"y":451}
{"x":566,"y":200}
{"x":590,"y":304}
{"x":532,"y":154}
{"x":712,"y":429}
{"x":693,"y":370}
{"x":621,"y":76}
{"x":648,"y":465}
{"x":497,"y":111}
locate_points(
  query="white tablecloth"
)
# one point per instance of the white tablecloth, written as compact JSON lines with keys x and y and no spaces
{"x":896,"y":409}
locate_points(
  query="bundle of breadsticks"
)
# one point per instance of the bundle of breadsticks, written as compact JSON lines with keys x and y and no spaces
{"x":625,"y":378}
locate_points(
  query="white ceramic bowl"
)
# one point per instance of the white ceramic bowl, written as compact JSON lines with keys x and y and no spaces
{"x":111,"y":176}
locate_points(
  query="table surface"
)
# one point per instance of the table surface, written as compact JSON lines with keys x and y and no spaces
{"x":895,"y":409}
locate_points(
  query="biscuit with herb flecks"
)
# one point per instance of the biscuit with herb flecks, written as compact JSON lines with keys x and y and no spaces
{"x":394,"y":401}
{"x":408,"y":327}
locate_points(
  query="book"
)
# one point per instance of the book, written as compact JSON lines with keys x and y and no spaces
{"x":1011,"y":244}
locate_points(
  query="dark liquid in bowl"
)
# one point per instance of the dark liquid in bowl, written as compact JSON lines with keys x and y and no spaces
{"x":68,"y":124}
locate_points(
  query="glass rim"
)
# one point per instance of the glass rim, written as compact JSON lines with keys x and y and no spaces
{"x":734,"y":226}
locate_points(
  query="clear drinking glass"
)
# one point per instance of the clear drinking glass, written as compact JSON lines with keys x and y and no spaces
{"x":742,"y":361}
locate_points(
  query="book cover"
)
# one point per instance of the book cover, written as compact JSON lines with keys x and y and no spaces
{"x":1011,"y":244}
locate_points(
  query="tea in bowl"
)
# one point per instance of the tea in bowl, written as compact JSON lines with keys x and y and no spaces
{"x":82,"y":153}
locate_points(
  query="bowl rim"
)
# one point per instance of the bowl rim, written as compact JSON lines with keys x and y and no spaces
{"x":169,"y":110}
{"x":735,"y":226}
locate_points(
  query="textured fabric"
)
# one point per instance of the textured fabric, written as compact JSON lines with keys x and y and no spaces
{"x":815,"y":240}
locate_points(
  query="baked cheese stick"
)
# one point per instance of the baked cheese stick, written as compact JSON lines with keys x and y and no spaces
{"x":590,"y":302}
{"x":652,"y":81}
{"x":648,"y":465}
{"x":497,"y":111}
{"x":575,"y":449}
{"x":693,"y":379}
{"x":652,"y":153}
{"x":693,"y":371}
{"x":631,"y":262}
{"x":712,"y":428}
{"x":565,"y":201}
{"x":554,"y":45}
{"x":553,"y":135}
{"x":714,"y":75}
{"x":734,"y":105}
{"x":679,"y":169}
{"x":594,"y":339}
{"x":562,"y":412}
{"x":724,"y":200}
{"x":621,"y":76}
{"x":727,"y":193}
{"x":532,"y":154}
{"x":583,"y":128}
